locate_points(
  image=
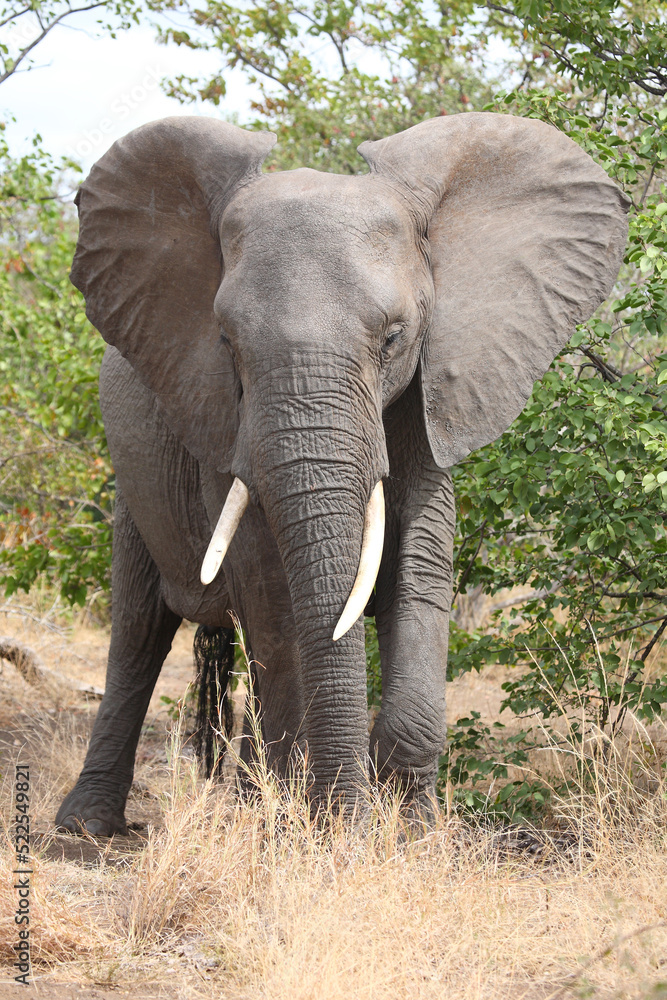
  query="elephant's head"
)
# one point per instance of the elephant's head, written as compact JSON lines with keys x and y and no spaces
{"x":275,"y":315}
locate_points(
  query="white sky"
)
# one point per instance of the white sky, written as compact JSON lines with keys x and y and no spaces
{"x":88,"y":89}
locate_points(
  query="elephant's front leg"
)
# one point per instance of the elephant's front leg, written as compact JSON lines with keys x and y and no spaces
{"x":412,"y":610}
{"x":141,"y":634}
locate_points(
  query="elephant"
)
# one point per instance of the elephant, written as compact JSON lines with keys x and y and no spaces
{"x":296,"y":360}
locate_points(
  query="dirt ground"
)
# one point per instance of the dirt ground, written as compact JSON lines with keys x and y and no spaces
{"x":72,"y":991}
{"x":172,"y":910}
{"x":31,"y":714}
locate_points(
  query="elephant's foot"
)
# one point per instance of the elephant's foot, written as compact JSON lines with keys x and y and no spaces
{"x":419,"y":808}
{"x":420,"y":811}
{"x":86,"y":812}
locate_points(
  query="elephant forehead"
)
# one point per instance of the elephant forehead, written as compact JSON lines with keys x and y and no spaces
{"x":301,"y":212}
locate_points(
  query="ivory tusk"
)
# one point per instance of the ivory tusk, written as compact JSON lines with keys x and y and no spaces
{"x":235,"y":505}
{"x":369,"y":563}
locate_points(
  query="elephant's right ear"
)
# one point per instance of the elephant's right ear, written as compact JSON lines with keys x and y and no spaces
{"x":525,"y":238}
{"x":149,"y":265}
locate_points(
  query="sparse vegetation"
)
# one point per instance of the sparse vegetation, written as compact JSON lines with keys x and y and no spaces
{"x":56,"y":480}
{"x":226,"y":899}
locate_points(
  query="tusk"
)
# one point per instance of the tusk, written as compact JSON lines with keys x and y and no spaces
{"x":235,"y":504}
{"x":369,"y":563}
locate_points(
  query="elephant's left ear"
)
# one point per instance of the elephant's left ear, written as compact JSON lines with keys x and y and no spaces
{"x":149,"y":264}
{"x":526,"y":236}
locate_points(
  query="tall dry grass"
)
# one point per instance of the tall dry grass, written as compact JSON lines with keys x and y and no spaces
{"x":257,"y":899}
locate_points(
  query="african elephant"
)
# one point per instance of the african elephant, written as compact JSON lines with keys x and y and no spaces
{"x":285,"y":348}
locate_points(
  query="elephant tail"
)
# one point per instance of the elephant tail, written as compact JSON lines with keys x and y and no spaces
{"x":214,"y":661}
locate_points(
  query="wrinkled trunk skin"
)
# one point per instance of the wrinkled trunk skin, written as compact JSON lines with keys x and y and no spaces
{"x":311,"y":450}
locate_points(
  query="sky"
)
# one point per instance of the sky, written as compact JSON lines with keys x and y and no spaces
{"x":86,"y":89}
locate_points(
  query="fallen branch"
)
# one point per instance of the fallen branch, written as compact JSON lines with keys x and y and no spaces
{"x":16,"y":609}
{"x":32,"y":670}
{"x":512,"y":602}
{"x":604,"y":952}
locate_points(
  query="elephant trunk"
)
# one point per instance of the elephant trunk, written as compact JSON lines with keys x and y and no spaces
{"x":318,"y":451}
{"x":369,"y":560}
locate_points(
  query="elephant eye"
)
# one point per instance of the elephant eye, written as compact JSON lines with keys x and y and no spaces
{"x":393,"y":334}
{"x":224,"y":339}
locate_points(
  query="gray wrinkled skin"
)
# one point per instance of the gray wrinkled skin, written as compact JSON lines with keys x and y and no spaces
{"x":311,"y":334}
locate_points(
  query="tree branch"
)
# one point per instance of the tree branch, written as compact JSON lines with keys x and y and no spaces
{"x":45,"y":31}
{"x":338,"y":44}
{"x":646,"y":186}
{"x":468,"y":570}
{"x":33,"y":671}
{"x":658,"y":632}
{"x":608,"y":372}
{"x":532,"y":595}
{"x":35,"y":423}
{"x":14,"y":17}
{"x":257,"y":69}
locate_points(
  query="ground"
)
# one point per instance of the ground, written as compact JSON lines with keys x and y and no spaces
{"x":210,"y":898}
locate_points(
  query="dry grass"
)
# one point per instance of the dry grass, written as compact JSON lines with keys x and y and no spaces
{"x":257,"y":900}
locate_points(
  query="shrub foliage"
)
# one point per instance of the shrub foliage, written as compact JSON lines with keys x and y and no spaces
{"x":55,"y":473}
